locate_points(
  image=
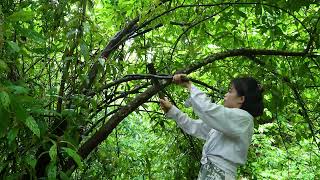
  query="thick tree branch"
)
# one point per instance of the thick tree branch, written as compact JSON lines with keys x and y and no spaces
{"x":154,"y":80}
{"x":242,"y":52}
{"x":127,"y":78}
{"x":113,"y":44}
{"x":132,"y":77}
{"x":112,"y":98}
{"x":107,"y":128}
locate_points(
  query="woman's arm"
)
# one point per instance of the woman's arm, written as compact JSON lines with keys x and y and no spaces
{"x":195,"y":128}
{"x":230,"y":121}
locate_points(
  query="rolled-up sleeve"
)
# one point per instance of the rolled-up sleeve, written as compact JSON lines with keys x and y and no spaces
{"x":230,"y":121}
{"x":193,"y":127}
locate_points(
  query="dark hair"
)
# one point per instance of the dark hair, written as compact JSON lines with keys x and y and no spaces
{"x":252,"y":91}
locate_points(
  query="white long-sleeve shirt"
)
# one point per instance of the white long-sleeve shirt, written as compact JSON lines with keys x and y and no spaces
{"x":227,"y":131}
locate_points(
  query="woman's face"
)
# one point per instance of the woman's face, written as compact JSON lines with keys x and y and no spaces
{"x":232,"y":100}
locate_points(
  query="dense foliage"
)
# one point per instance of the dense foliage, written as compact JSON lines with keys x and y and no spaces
{"x":76,"y":101}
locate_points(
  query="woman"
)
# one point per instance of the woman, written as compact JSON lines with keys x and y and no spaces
{"x":227,"y":129}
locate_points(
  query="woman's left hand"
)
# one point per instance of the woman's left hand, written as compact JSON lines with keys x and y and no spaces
{"x":165,"y":104}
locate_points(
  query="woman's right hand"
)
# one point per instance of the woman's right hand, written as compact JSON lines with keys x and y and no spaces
{"x":182,"y":80}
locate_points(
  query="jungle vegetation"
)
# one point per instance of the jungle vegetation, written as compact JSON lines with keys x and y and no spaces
{"x":80,"y":82}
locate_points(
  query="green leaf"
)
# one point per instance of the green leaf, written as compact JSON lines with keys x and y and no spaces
{"x":33,"y":126}
{"x":38,"y":50}
{"x":12,"y":135}
{"x":101,"y":61}
{"x":277,"y":30}
{"x":240,"y":13}
{"x":14,"y":46}
{"x":31,"y":34}
{"x":258,"y":10}
{"x":41,"y":111}
{"x":268,"y":42}
{"x":31,"y":160}
{"x":52,"y":171}
{"x":21,"y":16}
{"x":75,"y":156}
{"x":53,"y":152}
{"x":20,"y":113}
{"x":3,"y":65}
{"x":18,"y":89}
{"x":4,"y":121}
{"x":63,"y":176}
{"x":84,"y":50}
{"x":90,"y":4}
{"x":5,"y":100}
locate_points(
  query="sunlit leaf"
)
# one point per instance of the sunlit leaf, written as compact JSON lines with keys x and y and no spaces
{"x":21,"y":16}
{"x":14,"y":46}
{"x":32,"y":34}
{"x":53,"y":152}
{"x":31,"y":160}
{"x":18,"y":89}
{"x":75,"y":156}
{"x":12,"y":134}
{"x":52,"y":171}
{"x":32,"y":125}
{"x":4,"y":99}
{"x":84,"y":50}
{"x":3,"y":65}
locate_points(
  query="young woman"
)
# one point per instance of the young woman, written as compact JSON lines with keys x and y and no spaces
{"x":226,"y":129}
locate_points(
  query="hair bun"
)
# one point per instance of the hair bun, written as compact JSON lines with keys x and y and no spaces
{"x":260,"y":88}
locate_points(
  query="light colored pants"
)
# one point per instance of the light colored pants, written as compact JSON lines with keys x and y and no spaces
{"x":210,"y":171}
